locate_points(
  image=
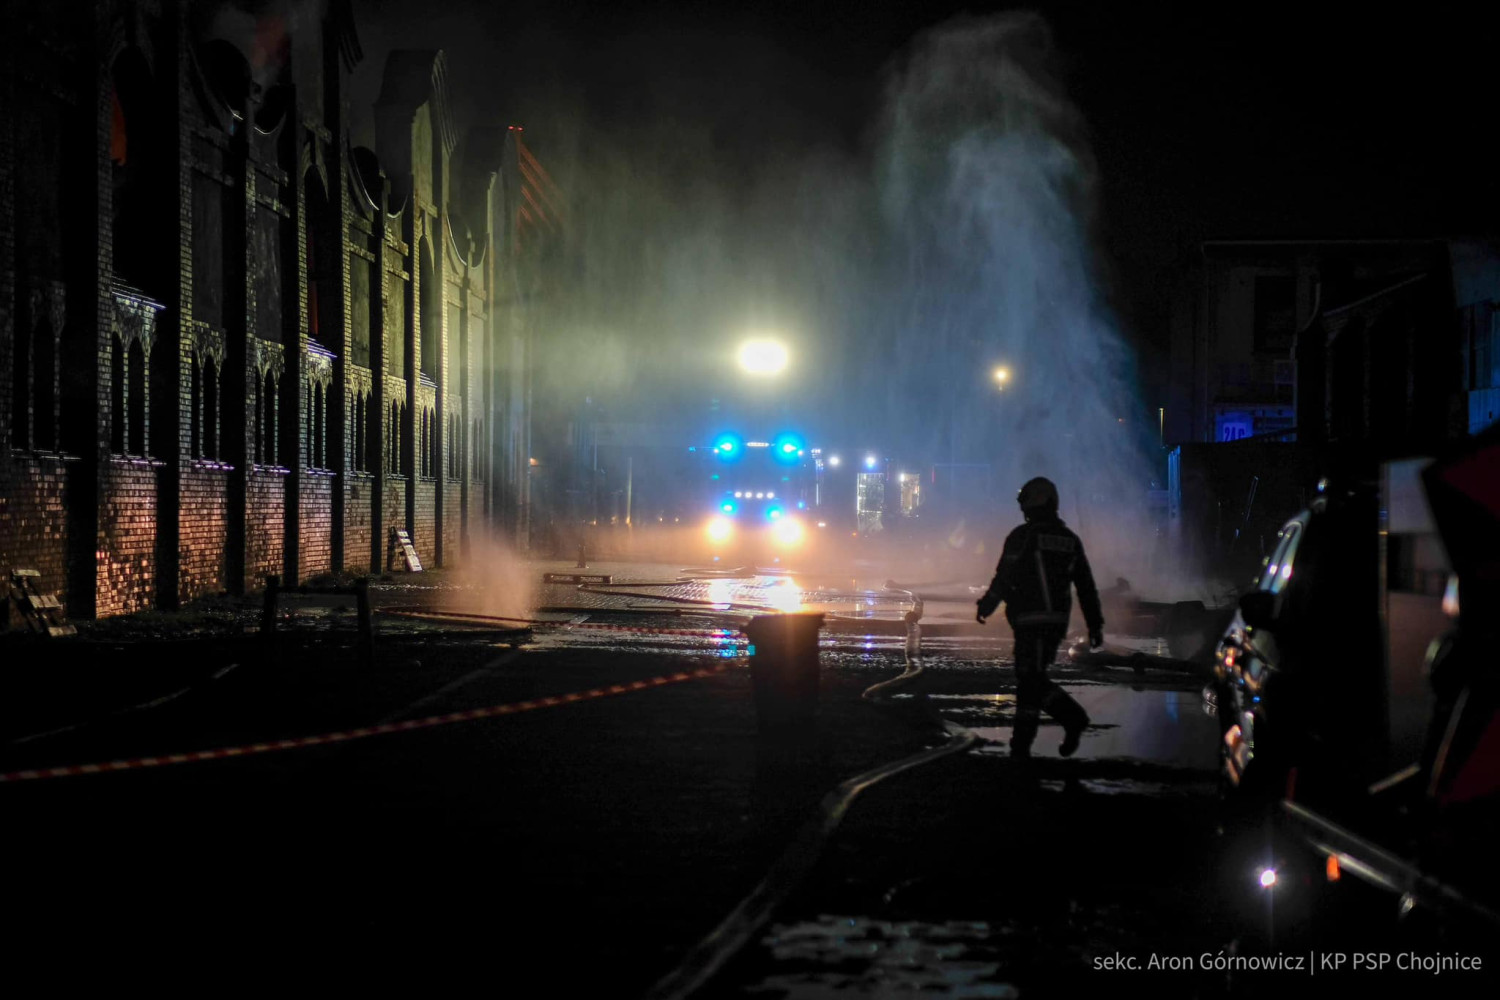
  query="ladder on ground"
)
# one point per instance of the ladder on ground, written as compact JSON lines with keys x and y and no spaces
{"x":400,"y":545}
{"x":43,"y":612}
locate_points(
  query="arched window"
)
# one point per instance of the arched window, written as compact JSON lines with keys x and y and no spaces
{"x":136,"y":397}
{"x":116,"y":396}
{"x":428,"y":443}
{"x":195,"y":408}
{"x":397,"y":462}
{"x":267,"y":450}
{"x":318,"y":452}
{"x":359,"y":431}
{"x":210,"y":417}
{"x":455,"y":452}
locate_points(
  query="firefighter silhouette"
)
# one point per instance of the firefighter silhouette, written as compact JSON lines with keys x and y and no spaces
{"x":1041,"y":563}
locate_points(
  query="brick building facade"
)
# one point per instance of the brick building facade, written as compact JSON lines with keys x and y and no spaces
{"x":232,"y":343}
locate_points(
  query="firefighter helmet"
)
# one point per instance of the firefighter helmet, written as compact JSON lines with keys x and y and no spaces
{"x":1038,"y":494}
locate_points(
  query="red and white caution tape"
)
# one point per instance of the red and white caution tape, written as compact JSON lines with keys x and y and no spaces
{"x":345,"y":736}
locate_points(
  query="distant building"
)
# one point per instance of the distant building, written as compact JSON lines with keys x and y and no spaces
{"x":1387,"y":343}
{"x":1291,"y":359}
{"x":233,"y":343}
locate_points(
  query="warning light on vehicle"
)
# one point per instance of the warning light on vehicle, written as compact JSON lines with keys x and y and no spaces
{"x":727,"y":446}
{"x":719,"y":530}
{"x":727,"y":507}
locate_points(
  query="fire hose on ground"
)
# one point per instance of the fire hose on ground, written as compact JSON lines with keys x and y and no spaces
{"x":713,"y":952}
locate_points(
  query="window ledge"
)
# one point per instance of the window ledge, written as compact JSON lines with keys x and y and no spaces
{"x":275,"y":470}
{"x":141,"y":460}
{"x":209,"y":465}
{"x":43,"y":455}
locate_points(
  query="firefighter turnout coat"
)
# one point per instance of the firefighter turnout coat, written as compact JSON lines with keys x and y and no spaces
{"x":1041,"y":564}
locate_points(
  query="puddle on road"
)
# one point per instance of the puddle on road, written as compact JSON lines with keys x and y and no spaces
{"x":836,"y":956}
{"x":1161,"y":727}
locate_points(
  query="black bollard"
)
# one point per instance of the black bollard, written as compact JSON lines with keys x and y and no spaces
{"x":784,"y":669}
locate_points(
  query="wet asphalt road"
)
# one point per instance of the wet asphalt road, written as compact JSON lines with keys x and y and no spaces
{"x":587,"y":845}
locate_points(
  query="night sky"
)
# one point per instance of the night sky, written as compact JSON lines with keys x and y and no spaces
{"x":1208,"y":122}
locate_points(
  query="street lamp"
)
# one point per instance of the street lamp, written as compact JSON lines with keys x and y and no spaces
{"x":1002,"y":377}
{"x":763,"y":357}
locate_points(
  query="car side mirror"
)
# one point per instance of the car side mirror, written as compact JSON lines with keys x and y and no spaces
{"x":1258,"y":608}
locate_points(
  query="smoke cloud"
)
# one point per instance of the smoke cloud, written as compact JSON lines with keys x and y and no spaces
{"x":709,"y":198}
{"x":987,"y":190}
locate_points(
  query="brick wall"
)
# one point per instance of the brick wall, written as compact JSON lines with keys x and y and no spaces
{"x":316,"y":534}
{"x":265,"y":506}
{"x":395,"y":511}
{"x":126,"y":563}
{"x":33,"y":522}
{"x":227,"y":272}
{"x":424,"y":533}
{"x":204,"y":532}
{"x":357,"y":522}
{"x":451,"y":525}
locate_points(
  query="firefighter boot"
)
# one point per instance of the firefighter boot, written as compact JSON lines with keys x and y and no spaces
{"x":1024,"y":733}
{"x":1061,"y":706}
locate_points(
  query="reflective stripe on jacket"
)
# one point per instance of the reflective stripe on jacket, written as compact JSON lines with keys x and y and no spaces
{"x":1040,"y":566}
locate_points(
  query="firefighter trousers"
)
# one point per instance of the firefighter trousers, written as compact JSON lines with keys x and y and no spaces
{"x":1035,"y":692}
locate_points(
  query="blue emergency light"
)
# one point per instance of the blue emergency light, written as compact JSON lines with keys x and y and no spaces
{"x":728,"y":447}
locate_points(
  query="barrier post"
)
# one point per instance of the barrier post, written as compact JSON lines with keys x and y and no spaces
{"x":784,"y":669}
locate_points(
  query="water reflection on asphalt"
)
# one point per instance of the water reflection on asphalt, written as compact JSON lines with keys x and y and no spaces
{"x":1148,"y":738}
{"x":1160,"y":727}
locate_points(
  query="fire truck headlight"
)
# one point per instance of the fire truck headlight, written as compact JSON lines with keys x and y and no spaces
{"x":720,"y":530}
{"x":788,"y":532}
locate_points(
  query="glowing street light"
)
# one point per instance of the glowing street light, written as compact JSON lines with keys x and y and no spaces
{"x":833,"y":461}
{"x":1002,"y":377}
{"x":763,"y":357}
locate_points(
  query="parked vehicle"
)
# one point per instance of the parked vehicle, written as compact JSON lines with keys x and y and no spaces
{"x":1298,"y":676}
{"x":1408,"y":861}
